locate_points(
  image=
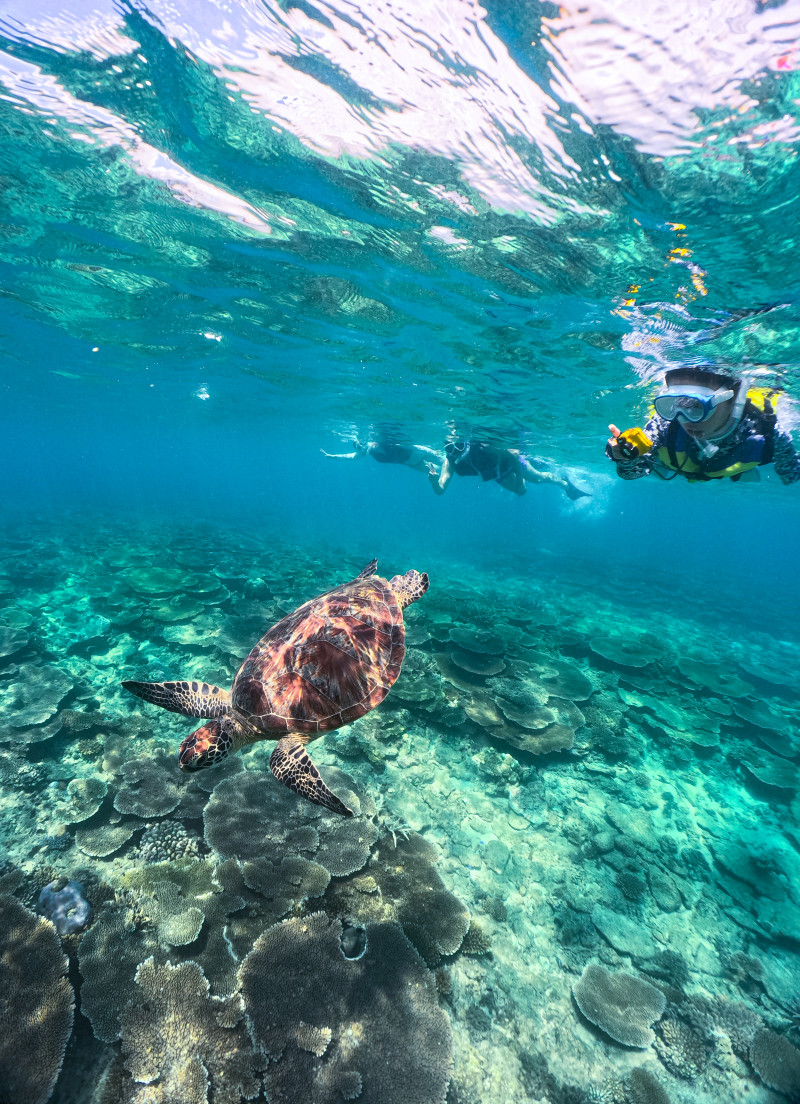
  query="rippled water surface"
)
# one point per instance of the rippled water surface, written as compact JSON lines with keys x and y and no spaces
{"x":233,"y":235}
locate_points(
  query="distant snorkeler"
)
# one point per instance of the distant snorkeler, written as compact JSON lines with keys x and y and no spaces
{"x":389,"y":450}
{"x":707,"y":424}
{"x":508,"y":467}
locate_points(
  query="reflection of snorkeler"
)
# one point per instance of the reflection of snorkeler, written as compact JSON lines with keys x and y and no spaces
{"x":508,"y":467}
{"x":386,"y":451}
{"x":661,"y":332}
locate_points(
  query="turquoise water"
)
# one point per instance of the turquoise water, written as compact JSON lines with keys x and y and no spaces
{"x":234,"y":236}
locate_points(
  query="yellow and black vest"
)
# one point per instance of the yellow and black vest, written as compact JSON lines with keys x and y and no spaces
{"x":755,"y":450}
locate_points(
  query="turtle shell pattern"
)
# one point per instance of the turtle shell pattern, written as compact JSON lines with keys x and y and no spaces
{"x":328,"y":663}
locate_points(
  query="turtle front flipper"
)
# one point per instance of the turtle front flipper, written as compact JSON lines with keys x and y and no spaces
{"x":291,"y":764}
{"x":192,"y":699}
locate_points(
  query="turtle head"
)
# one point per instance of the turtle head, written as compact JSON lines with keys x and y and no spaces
{"x":206,"y":746}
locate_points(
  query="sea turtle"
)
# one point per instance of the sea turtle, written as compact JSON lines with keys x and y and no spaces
{"x":323,"y":666}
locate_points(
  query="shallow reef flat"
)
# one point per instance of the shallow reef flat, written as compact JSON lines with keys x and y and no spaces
{"x":573,"y":875}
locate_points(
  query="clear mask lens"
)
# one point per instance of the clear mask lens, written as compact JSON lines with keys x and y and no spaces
{"x":690,"y":407}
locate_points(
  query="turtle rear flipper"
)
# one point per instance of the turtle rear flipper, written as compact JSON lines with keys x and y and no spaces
{"x":291,"y":764}
{"x":409,"y":587}
{"x":191,"y":698}
{"x":370,"y":570}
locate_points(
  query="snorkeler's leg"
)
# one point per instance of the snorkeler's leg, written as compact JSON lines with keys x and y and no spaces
{"x":532,"y":475}
{"x":513,"y":481}
{"x":440,"y":480}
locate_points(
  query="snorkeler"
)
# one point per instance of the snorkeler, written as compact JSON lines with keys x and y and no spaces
{"x":508,"y":467}
{"x":418,"y":457}
{"x":706,"y":425}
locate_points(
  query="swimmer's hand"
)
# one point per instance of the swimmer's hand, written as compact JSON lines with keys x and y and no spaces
{"x":614,"y":449}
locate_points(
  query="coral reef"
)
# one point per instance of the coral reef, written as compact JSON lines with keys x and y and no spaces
{"x":36,"y":1004}
{"x":368,"y":1027}
{"x":662,"y":844}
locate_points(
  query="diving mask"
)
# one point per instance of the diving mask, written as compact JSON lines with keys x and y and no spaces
{"x":691,"y":403}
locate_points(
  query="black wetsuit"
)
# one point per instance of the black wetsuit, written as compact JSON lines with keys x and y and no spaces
{"x":475,"y":458}
{"x":385,"y":452}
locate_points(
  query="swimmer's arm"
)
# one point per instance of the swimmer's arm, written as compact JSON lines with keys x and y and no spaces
{"x":361,"y":450}
{"x":785,"y":458}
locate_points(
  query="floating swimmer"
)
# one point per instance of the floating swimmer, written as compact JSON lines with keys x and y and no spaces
{"x":389,"y":450}
{"x":508,"y":467}
{"x":323,"y":666}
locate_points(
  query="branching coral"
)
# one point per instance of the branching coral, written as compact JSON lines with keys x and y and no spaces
{"x":622,"y":1005}
{"x":368,"y":1027}
{"x":713,"y":1016}
{"x":168,"y":841}
{"x":642,"y":1087}
{"x":174,"y":1041}
{"x":36,"y":1004}
{"x":681,"y":1049}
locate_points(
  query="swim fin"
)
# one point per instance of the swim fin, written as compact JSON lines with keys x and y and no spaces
{"x":574,"y":493}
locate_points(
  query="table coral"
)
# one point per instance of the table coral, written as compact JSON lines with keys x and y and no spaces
{"x":36,"y":1004}
{"x":367,"y":1027}
{"x":776,"y":1062}
{"x":180,"y":1044}
{"x":151,"y":787}
{"x":249,"y":817}
{"x":401,"y":883}
{"x":620,"y":1004}
{"x":108,"y":957}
